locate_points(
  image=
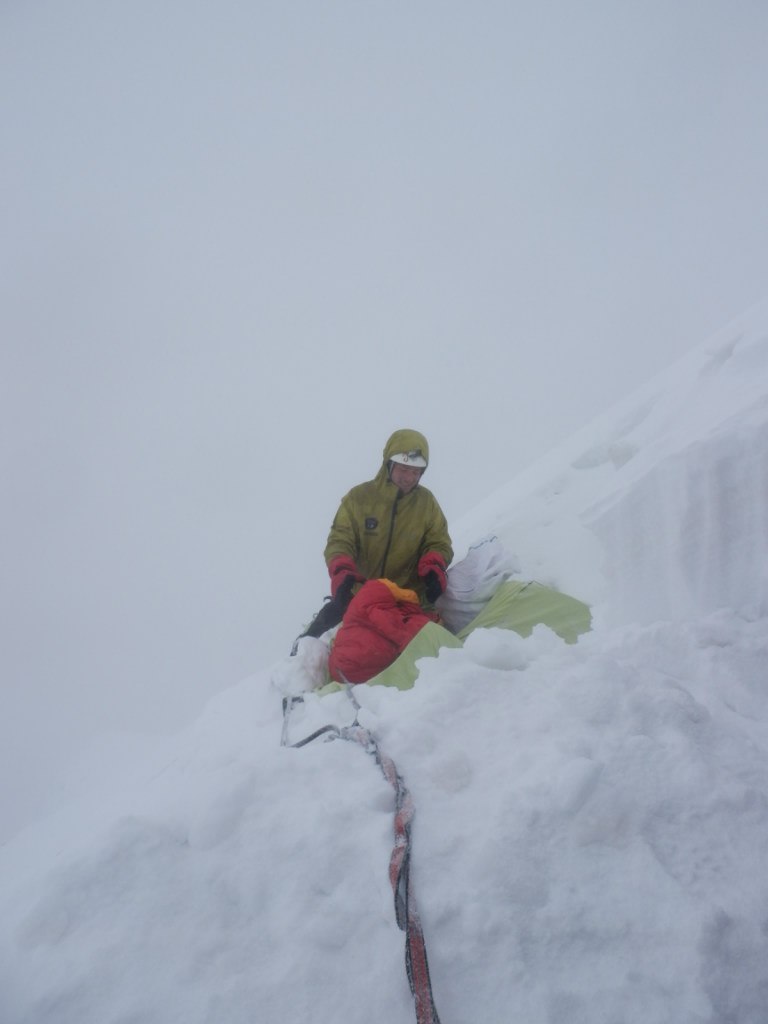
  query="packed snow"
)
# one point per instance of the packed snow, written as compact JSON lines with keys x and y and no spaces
{"x":591,"y":826}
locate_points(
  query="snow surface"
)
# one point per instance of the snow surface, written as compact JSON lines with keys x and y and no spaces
{"x":591,"y":827}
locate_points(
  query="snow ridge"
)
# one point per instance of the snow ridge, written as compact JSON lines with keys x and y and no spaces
{"x":591,"y":820}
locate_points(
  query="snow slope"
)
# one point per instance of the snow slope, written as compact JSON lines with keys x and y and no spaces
{"x":592,"y":820}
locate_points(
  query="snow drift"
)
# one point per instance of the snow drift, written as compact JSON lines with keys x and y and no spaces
{"x":592,"y":820}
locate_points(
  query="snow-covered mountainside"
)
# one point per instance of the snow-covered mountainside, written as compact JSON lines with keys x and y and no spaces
{"x":591,"y":823}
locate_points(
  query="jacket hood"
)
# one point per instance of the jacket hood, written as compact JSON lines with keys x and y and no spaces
{"x":405,"y":441}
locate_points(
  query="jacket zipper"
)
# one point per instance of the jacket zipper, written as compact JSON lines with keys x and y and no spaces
{"x":389,"y":538}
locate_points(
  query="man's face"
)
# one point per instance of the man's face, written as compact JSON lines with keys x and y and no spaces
{"x":405,"y":478}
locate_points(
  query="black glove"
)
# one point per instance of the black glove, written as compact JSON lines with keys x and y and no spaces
{"x":344,"y":592}
{"x":433,"y":588}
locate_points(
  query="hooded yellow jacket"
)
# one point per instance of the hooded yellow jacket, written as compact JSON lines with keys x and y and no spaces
{"x":386,"y":532}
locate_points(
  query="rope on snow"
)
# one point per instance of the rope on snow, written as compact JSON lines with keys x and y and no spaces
{"x":406,"y":911}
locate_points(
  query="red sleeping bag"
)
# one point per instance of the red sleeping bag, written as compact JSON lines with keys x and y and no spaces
{"x":379,"y":623}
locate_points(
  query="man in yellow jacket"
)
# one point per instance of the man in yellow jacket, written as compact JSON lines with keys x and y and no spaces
{"x":391,"y":527}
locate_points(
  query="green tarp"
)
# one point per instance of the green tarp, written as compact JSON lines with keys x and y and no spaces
{"x":521,"y":606}
{"x":516,"y":605}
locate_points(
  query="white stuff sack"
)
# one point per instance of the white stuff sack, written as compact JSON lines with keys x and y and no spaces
{"x":473,"y":581}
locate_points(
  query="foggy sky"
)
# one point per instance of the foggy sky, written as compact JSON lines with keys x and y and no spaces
{"x":242,"y":242}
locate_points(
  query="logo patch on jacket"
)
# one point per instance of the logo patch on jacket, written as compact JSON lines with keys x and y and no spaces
{"x":371,"y":523}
